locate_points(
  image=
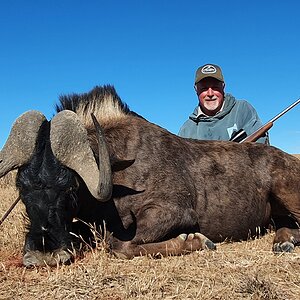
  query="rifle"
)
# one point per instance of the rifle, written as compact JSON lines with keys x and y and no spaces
{"x":241,"y":136}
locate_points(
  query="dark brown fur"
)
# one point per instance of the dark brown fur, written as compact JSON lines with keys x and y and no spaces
{"x":222,"y":189}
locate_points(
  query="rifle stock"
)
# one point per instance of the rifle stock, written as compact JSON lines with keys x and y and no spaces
{"x":258,"y":133}
{"x":262,"y":130}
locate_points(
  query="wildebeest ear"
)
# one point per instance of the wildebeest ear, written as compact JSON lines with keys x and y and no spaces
{"x":119,"y":165}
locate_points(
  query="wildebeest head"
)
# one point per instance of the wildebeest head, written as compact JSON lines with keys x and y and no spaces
{"x":50,"y":156}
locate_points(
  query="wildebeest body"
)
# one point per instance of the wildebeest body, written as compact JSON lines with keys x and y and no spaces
{"x":219,"y":188}
{"x":162,"y":185}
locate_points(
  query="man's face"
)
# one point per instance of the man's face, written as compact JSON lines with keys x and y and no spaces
{"x":210,"y":93}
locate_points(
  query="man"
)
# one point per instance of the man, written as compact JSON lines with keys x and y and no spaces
{"x":218,"y":116}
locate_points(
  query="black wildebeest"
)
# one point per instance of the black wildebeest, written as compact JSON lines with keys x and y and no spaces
{"x":157,"y":193}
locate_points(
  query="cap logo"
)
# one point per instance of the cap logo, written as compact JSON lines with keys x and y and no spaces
{"x":208,"y":69}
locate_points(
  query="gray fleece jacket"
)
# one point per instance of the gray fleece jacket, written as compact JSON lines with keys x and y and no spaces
{"x":235,"y":115}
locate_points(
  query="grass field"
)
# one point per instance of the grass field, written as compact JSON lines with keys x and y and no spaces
{"x":242,"y":270}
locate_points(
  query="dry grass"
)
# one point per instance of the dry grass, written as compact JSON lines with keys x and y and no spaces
{"x":245,"y":270}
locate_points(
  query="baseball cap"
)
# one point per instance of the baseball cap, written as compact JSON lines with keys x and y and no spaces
{"x":209,"y":70}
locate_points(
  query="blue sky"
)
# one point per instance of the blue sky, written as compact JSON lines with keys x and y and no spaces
{"x":149,"y":50}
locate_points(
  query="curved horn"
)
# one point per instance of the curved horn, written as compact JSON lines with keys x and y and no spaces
{"x":21,"y":141}
{"x":105,"y":184}
{"x":70,"y":145}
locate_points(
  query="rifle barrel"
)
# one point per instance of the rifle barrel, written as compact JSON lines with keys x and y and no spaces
{"x":284,"y":111}
{"x":263,"y":129}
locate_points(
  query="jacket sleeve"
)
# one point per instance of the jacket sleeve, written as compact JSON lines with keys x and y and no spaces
{"x":252,"y":122}
{"x":182,"y":131}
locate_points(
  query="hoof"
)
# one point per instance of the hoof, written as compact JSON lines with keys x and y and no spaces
{"x":209,"y":244}
{"x":283,"y":247}
{"x":196,"y":241}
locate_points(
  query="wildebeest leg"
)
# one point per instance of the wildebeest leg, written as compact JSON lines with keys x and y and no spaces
{"x":286,"y":239}
{"x":162,"y":231}
{"x":287,"y":206}
{"x":183,"y":244}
